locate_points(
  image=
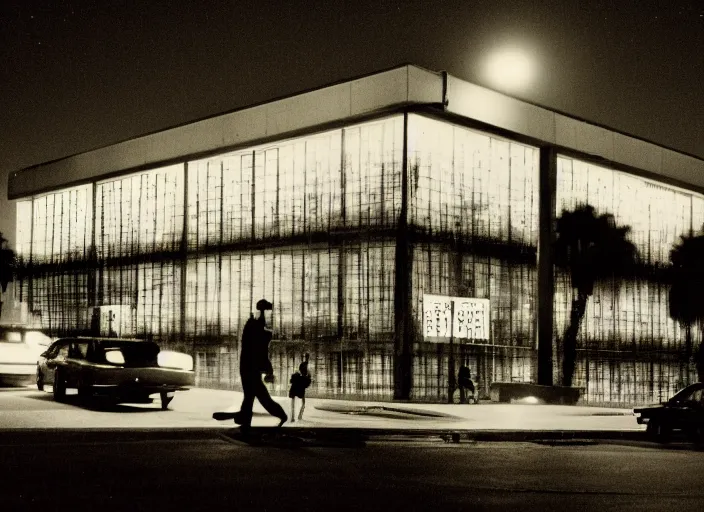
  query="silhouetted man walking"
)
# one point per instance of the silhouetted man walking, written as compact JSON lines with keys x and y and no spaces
{"x":254,"y":361}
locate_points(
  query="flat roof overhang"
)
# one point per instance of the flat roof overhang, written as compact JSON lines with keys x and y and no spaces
{"x":406,"y":86}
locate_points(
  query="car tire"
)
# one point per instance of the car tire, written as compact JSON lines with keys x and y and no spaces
{"x":59,"y":386}
{"x":165,"y":401}
{"x":40,"y":380}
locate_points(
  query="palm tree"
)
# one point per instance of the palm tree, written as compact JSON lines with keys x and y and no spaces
{"x":687,"y":281}
{"x":590,"y":248}
{"x":8,"y":264}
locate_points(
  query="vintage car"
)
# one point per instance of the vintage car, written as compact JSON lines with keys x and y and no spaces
{"x":19,"y":348}
{"x":124,"y":370}
{"x":683,"y":413}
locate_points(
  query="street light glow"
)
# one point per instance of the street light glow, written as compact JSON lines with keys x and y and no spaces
{"x":509,"y":68}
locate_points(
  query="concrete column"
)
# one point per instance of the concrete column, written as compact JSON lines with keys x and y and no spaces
{"x":403,"y":335}
{"x":546,"y":276}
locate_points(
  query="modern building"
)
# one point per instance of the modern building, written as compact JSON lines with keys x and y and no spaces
{"x":361,"y":209}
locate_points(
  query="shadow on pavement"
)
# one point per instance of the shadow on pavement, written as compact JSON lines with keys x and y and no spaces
{"x":97,"y":403}
{"x":385,"y":411}
{"x":298,"y":438}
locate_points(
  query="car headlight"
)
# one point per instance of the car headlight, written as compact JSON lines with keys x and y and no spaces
{"x":176,"y":360}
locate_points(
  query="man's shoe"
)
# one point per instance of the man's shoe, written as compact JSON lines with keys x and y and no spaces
{"x":240,"y":419}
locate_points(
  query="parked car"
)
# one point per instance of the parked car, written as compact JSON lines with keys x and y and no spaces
{"x":19,"y":348}
{"x":683,"y":413}
{"x":124,"y":370}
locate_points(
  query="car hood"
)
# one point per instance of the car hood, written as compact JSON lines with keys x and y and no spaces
{"x":20,"y":353}
{"x":649,"y":407}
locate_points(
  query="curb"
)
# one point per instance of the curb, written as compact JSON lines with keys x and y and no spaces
{"x":475,"y":435}
{"x":177,"y":433}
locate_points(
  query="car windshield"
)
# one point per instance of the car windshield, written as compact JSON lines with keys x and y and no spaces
{"x":135,"y":353}
{"x":685,"y":394}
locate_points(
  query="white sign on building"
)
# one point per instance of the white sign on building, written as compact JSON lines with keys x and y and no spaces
{"x":464,"y":319}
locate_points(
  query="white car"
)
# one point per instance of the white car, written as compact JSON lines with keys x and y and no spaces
{"x":20,"y":348}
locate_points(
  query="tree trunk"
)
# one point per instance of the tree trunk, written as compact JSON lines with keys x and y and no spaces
{"x":569,"y":342}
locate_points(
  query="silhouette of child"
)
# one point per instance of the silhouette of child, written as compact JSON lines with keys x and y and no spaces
{"x":299,"y":382}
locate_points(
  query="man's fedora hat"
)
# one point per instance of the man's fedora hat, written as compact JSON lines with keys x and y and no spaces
{"x":264,"y":305}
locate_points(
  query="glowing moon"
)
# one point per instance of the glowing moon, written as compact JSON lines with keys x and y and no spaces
{"x":509,"y":68}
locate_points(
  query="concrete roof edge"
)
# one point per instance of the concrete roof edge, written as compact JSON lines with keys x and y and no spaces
{"x":581,"y":119}
{"x":231,"y":111}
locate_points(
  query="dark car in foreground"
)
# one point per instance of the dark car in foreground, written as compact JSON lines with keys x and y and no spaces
{"x":124,"y":370}
{"x":683,"y":413}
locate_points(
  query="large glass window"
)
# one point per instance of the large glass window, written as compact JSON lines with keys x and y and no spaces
{"x":158,"y":306}
{"x":471,"y":184}
{"x":369,"y":283}
{"x":205,"y":202}
{"x":60,"y":301}
{"x":299,"y":186}
{"x":62,"y":225}
{"x":301,"y":283}
{"x":624,"y":314}
{"x":140,"y":213}
{"x":23,"y":237}
{"x":372,"y":175}
{"x":657,"y":214}
{"x":479,"y":195}
{"x":473,"y":200}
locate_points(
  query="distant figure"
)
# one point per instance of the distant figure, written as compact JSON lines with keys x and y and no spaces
{"x":299,"y":382}
{"x":254,"y":361}
{"x":464,"y":382}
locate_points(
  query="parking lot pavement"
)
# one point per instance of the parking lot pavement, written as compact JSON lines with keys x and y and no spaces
{"x":30,"y":408}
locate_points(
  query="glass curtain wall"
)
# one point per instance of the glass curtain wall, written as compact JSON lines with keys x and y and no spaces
{"x":139,"y":228}
{"x":60,"y":239}
{"x":473,"y":212}
{"x":23,"y":250}
{"x":308,"y":224}
{"x":630,"y":350}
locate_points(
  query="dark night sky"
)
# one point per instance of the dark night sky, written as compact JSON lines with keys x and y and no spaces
{"x":79,"y":74}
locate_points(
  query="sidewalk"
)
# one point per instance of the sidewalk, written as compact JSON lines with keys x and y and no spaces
{"x":392,"y":416}
{"x":29,"y":409}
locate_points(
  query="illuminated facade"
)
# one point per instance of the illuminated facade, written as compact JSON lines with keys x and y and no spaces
{"x":344,"y":210}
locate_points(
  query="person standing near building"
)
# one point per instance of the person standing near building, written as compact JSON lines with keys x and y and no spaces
{"x":299,"y":382}
{"x":254,"y":361}
{"x":466,"y":385}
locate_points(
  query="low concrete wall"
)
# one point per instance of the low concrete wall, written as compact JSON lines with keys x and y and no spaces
{"x":509,"y":391}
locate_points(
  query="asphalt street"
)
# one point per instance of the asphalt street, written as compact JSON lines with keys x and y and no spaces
{"x":152,"y":470}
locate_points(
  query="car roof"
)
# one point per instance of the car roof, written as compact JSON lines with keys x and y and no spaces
{"x":98,"y":338}
{"x":121,"y":340}
{"x":19,"y":327}
{"x":691,"y":387}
